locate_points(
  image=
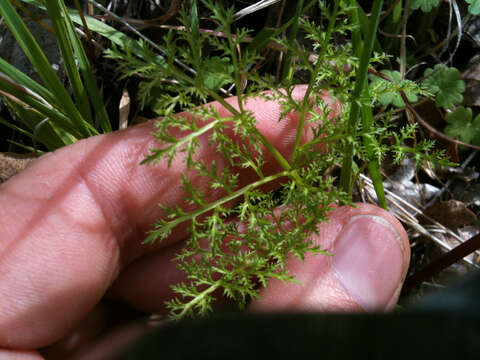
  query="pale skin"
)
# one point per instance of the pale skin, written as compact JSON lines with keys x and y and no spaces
{"x":72,"y":223}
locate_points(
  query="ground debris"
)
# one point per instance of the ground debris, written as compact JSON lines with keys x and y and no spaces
{"x":451,"y":213}
{"x":11,"y":164}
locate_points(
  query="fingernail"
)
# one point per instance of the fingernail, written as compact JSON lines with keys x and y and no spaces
{"x":368,"y":260}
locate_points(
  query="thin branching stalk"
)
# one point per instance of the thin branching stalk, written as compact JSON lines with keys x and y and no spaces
{"x":332,"y":18}
{"x":222,"y":201}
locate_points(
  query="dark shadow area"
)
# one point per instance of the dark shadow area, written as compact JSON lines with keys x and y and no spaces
{"x":444,"y":326}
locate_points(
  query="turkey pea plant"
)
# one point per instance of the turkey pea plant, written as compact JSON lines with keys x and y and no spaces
{"x":240,"y":240}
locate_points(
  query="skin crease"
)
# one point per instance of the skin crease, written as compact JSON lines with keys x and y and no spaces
{"x":71,"y":227}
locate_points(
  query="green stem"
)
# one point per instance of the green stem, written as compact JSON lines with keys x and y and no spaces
{"x":306,"y":99}
{"x":327,"y":139}
{"x":188,"y":306}
{"x":171,"y":224}
{"x":367,"y":118}
{"x":268,"y":145}
{"x":361,"y":82}
{"x":373,"y":163}
{"x":357,"y":34}
{"x":287,"y":69}
{"x":193,"y":135}
{"x":238,"y":81}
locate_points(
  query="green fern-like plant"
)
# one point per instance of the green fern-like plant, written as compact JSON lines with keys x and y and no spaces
{"x":243,"y":237}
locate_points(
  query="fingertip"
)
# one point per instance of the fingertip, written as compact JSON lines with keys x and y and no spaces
{"x":6,"y":354}
{"x":368,"y":261}
{"x":368,"y":266}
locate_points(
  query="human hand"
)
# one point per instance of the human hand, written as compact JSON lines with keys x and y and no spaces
{"x":71,"y":227}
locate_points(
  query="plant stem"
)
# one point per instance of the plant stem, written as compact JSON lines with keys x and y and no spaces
{"x":171,"y":224}
{"x":270,"y":148}
{"x":367,"y":119}
{"x":233,"y":52}
{"x":360,"y":83}
{"x":331,"y":24}
{"x":196,"y":300}
{"x":441,"y":263}
{"x":287,"y":69}
{"x":373,"y":163}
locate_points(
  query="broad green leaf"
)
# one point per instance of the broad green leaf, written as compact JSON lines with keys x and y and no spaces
{"x":425,"y":5}
{"x":390,"y":93}
{"x":461,"y":126}
{"x":474,"y":7}
{"x":446,"y":83}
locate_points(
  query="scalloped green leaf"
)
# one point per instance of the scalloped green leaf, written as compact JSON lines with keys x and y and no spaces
{"x":461,"y":126}
{"x":389,"y":94}
{"x":446,"y":84}
{"x":425,"y":5}
{"x":474,"y":7}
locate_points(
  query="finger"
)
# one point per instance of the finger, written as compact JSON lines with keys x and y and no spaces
{"x":358,"y":278}
{"x":366,"y":275}
{"x":109,"y":326}
{"x":70,"y":221}
{"x":19,"y":355}
{"x":158,"y":273}
{"x":325,"y":283}
{"x":370,"y":260}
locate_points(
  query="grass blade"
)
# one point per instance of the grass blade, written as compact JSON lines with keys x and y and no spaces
{"x":18,"y":129}
{"x":366,"y":111}
{"x":115,"y":36}
{"x":43,"y":130}
{"x":65,"y":46}
{"x":93,"y":92}
{"x":23,"y":80}
{"x":287,"y":69}
{"x":59,"y":119}
{"x":38,"y":59}
{"x":373,"y":163}
{"x":360,"y":83}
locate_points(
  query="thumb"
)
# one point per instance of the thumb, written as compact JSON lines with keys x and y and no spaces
{"x":366,"y":271}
